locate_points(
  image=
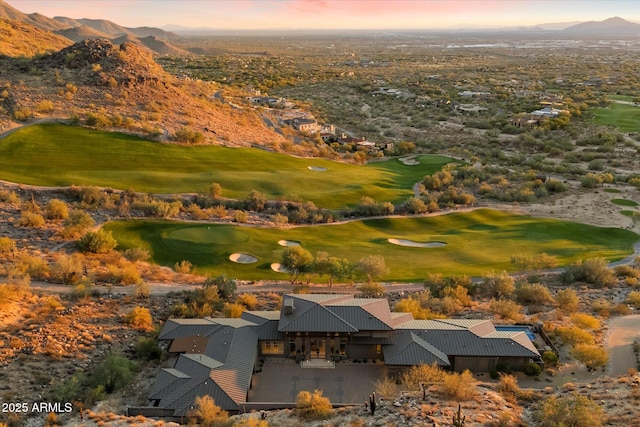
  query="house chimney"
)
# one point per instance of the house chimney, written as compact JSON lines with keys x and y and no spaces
{"x":287,"y":306}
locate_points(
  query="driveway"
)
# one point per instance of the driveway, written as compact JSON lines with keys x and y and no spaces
{"x":620,"y":343}
{"x":281,"y":380}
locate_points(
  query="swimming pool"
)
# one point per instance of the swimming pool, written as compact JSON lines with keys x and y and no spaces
{"x":517,"y":328}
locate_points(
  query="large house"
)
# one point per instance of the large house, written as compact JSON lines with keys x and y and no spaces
{"x":217,"y":357}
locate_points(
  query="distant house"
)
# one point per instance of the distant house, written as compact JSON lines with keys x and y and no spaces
{"x":218,"y":356}
{"x":304,"y":125}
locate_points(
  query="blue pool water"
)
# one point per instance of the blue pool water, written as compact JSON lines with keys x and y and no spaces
{"x":515,"y":328}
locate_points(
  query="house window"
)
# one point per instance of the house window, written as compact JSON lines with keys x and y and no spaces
{"x":272,"y":347}
{"x":378,"y":348}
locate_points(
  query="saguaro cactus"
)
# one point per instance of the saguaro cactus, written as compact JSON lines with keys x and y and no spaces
{"x":458,"y":419}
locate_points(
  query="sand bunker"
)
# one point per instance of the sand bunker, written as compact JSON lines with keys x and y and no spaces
{"x":412,"y":244}
{"x":288,"y":243}
{"x":317,"y":168}
{"x":243,"y":258}
{"x":409,"y":160}
{"x":277,"y":267}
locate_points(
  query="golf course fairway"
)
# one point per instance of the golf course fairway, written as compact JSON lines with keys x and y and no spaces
{"x":473,"y":243}
{"x":59,"y":155}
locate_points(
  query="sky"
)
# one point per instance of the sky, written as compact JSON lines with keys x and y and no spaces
{"x":334,"y":14}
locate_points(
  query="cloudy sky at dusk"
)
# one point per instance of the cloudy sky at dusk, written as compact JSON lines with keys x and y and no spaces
{"x":316,"y":14}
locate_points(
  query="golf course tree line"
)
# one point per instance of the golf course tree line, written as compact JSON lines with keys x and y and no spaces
{"x":298,"y":261}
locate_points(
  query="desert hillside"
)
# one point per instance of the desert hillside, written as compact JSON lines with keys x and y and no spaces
{"x":121,"y":87}
{"x":18,"y":39}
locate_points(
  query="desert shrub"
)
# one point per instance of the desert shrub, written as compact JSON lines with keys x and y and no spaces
{"x":573,"y":335}
{"x":369,"y":290}
{"x":498,"y":285}
{"x":250,"y":301}
{"x":147,"y":349}
{"x":226,"y":287}
{"x":68,"y":268}
{"x":313,"y":406}
{"x":550,"y":359}
{"x":98,"y":242}
{"x":208,"y":414}
{"x":506,"y":309}
{"x":9,"y":196}
{"x":22,"y":113}
{"x":567,"y":300}
{"x":459,"y":387}
{"x":533,"y":293}
{"x":387,"y":388}
{"x":411,"y":378}
{"x":67,"y":390}
{"x":240,"y":216}
{"x":508,"y":385}
{"x":7,"y":246}
{"x":31,"y":220}
{"x":602,"y":307}
{"x":142,"y":290}
{"x":115,"y":372}
{"x":125,"y":274}
{"x":585,"y":321}
{"x":593,"y":271}
{"x":574,"y":410}
{"x":77,"y":223}
{"x":56,"y":209}
{"x":532,"y":369}
{"x":592,"y":356}
{"x":232,"y":310}
{"x":136,"y":254}
{"x":183,"y":267}
{"x":140,"y":318}
{"x":44,"y":106}
{"x":413,"y":305}
{"x":34,"y":266}
{"x":626,"y":271}
{"x":633,"y":298}
{"x":188,"y":136}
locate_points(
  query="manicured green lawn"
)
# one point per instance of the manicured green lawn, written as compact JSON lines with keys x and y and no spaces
{"x":612,"y":190}
{"x":476,"y":242}
{"x":57,"y":155}
{"x":624,"y":117}
{"x":624,"y":202}
{"x":631,"y":214}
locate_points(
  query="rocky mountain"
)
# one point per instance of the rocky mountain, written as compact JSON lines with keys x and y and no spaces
{"x":120,"y":87}
{"x":77,"y":34}
{"x":23,"y":39}
{"x":609,"y":27}
{"x":35,"y":19}
{"x":79,"y":29}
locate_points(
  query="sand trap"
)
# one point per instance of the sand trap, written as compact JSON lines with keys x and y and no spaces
{"x":318,"y":168}
{"x":409,"y":160}
{"x":277,"y":267}
{"x":243,"y":258}
{"x":288,"y":243}
{"x":412,"y":244}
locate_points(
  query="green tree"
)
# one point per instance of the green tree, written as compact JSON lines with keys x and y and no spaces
{"x":98,"y":242}
{"x":333,"y":267}
{"x":296,"y":260}
{"x":226,"y":286}
{"x":255,"y":201}
{"x":373,"y":267}
{"x":115,"y":372}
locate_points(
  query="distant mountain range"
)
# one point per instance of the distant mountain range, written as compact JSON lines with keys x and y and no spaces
{"x":610,"y":27}
{"x":75,"y":30}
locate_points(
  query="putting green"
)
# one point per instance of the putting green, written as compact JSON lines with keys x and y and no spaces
{"x":57,"y":155}
{"x":474,"y":243}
